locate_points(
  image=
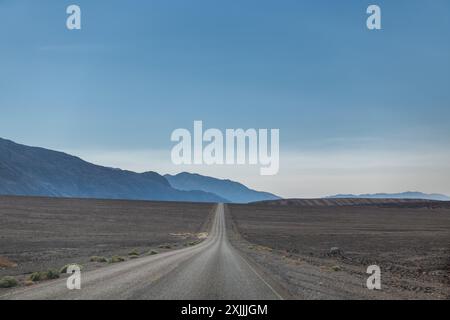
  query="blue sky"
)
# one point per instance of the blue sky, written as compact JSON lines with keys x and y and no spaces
{"x":358,"y":110}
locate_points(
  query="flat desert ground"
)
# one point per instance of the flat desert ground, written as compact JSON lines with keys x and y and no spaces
{"x":303,"y":249}
{"x":40,"y":234}
{"x":296,"y":242}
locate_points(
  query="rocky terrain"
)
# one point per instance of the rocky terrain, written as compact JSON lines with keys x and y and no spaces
{"x":41,"y":234}
{"x":321,"y":250}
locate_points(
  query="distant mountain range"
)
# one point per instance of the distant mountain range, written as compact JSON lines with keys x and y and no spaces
{"x":33,"y":171}
{"x":231,"y":190}
{"x":403,"y":195}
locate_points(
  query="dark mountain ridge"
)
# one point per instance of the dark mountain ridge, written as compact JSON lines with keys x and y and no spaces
{"x":34,"y":171}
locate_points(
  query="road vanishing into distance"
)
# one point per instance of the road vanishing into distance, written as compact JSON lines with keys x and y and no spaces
{"x":211,"y":270}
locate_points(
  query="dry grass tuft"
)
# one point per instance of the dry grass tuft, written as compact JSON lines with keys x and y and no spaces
{"x":6,"y":263}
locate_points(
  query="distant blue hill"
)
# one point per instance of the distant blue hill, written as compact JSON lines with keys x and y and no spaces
{"x":31,"y":171}
{"x":231,"y":190}
{"x":403,"y":195}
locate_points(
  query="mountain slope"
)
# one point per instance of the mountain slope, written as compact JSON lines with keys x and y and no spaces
{"x":403,"y":195}
{"x":231,"y":190}
{"x":32,"y":171}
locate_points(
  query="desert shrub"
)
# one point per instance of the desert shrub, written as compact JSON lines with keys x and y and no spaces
{"x":165,"y":246}
{"x":44,"y":275}
{"x":152,"y":252}
{"x":8,"y":282}
{"x":98,"y":259}
{"x":336,"y":268}
{"x":116,"y":259}
{"x":64,"y":269}
{"x":51,"y":274}
{"x":37,"y":276}
{"x":133,"y":253}
{"x":134,"y":257}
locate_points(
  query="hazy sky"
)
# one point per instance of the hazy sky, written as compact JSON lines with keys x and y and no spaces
{"x":358,"y":111}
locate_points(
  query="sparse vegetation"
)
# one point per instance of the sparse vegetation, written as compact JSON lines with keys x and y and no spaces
{"x":133,"y":253}
{"x":52,"y":274}
{"x":347,"y":233}
{"x":6,"y":263}
{"x":336,"y":268}
{"x":37,"y":244}
{"x":28,"y":283}
{"x":152,"y":252}
{"x":116,"y":259}
{"x":37,"y":276}
{"x":98,"y":259}
{"x":263,"y":248}
{"x":165,"y":246}
{"x":8,"y":282}
{"x":64,"y":269}
{"x":44,"y":275}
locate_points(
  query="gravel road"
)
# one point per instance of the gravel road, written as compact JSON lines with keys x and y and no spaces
{"x":212,"y":270}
